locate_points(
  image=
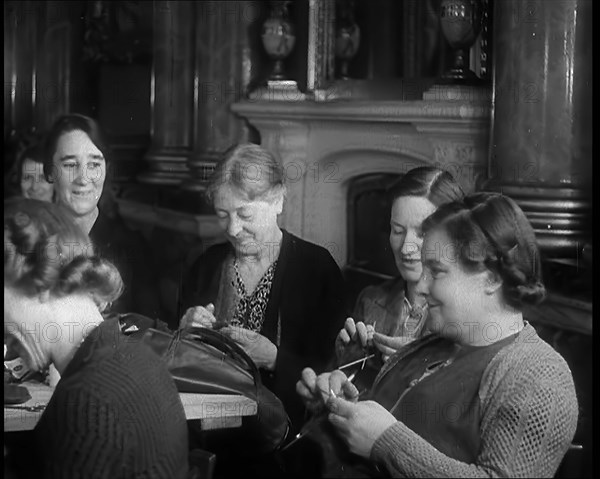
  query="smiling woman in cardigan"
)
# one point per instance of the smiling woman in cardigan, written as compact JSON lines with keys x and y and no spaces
{"x":482,"y":395}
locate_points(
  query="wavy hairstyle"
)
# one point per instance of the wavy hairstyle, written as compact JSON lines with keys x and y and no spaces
{"x":66,"y":124}
{"x":44,"y":250}
{"x":491,"y":231}
{"x":28,"y":145}
{"x":250,"y":169}
{"x":434,"y":184}
{"x":77,"y":122}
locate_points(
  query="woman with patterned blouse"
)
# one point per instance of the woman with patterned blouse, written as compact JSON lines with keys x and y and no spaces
{"x":279,"y":297}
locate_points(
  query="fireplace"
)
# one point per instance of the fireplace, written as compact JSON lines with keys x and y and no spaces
{"x":370,"y":258}
{"x":330,"y":150}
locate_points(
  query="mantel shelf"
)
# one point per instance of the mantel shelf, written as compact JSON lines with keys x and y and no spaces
{"x":325,"y":145}
{"x":414,"y":111}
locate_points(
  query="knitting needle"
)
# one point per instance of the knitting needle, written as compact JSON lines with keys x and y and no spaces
{"x":311,"y":424}
{"x":361,"y":360}
{"x":26,"y":408}
{"x":308,"y":427}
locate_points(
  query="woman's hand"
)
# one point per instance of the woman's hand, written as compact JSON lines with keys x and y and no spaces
{"x":315,"y":390}
{"x":353,"y":333}
{"x":360,"y":423}
{"x":306,"y":387}
{"x":388,"y":345}
{"x":199,"y":316}
{"x":262,"y":351}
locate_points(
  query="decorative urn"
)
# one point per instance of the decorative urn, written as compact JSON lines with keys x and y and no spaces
{"x":278,"y":37}
{"x":461,"y":23}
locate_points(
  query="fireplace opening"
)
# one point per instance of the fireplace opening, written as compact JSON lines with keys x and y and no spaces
{"x":370,"y":258}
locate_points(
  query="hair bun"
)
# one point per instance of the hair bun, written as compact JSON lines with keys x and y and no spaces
{"x":92,"y":275}
{"x":530,"y":294}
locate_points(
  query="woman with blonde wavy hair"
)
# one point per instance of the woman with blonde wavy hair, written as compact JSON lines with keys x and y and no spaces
{"x":102,"y":419}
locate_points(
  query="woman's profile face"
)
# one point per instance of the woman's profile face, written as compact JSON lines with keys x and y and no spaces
{"x":80,"y":170}
{"x":33,"y":181}
{"x":455,"y":296}
{"x":408,"y":213}
{"x":249,"y":225}
{"x":21,"y":314}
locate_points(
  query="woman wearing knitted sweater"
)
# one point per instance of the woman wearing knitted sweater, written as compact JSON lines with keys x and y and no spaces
{"x":483,"y":395}
{"x":115,"y":413}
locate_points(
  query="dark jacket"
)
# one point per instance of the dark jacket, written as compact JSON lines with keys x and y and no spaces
{"x":115,"y":413}
{"x":307,"y":295}
{"x":130,"y":253}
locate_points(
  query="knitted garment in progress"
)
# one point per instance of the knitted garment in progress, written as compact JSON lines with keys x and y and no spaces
{"x":529,"y":415}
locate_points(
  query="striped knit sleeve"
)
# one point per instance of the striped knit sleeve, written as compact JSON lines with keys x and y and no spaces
{"x":80,"y":436}
{"x":529,"y":420}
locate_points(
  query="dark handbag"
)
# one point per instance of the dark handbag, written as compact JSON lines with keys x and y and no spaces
{"x":14,"y":394}
{"x":201,"y":360}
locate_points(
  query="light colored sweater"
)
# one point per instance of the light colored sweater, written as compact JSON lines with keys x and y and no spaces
{"x":529,"y":415}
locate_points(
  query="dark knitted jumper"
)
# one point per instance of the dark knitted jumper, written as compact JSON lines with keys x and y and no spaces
{"x":114,"y":414}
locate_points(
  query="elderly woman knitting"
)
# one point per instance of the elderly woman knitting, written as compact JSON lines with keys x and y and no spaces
{"x":280,"y":297}
{"x":483,"y":395}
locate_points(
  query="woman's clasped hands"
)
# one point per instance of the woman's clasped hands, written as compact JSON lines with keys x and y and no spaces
{"x":359,"y":424}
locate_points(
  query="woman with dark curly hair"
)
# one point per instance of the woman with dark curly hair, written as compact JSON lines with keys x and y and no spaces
{"x":483,"y":395}
{"x":30,"y":175}
{"x":25,"y":177}
{"x":77,"y":160}
{"x":115,"y":411}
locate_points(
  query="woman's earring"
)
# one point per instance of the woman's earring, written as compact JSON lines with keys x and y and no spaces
{"x":491,"y":286}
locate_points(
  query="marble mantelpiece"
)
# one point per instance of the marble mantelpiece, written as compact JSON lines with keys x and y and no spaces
{"x":325,"y":145}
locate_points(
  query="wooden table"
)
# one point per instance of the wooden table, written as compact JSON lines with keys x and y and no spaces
{"x":215,"y":411}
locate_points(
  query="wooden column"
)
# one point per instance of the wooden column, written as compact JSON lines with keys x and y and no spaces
{"x":541,"y":141}
{"x":226,"y":45}
{"x":21,"y":21}
{"x":42,"y":50}
{"x":172,"y":94}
